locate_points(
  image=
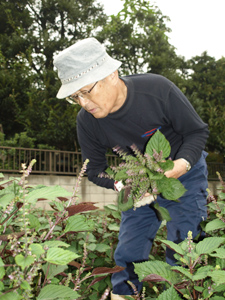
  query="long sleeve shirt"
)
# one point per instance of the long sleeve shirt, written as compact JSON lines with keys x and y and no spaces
{"x":153,"y":103}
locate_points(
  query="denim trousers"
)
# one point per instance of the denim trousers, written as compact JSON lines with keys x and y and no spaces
{"x":139,"y":227}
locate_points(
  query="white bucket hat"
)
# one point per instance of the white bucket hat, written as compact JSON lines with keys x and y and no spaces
{"x":82,"y":64}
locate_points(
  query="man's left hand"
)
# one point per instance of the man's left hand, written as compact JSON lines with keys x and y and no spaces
{"x":179,"y":169}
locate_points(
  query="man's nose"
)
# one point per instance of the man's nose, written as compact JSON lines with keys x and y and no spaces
{"x":83,"y":101}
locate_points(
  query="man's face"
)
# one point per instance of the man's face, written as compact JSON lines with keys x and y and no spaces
{"x":99,"y":99}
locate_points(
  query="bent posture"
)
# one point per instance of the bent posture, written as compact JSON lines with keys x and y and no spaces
{"x":128,"y":110}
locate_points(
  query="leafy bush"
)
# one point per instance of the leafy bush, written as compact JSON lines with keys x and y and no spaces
{"x":200,"y":273}
{"x":65,"y":253}
{"x":19,"y":140}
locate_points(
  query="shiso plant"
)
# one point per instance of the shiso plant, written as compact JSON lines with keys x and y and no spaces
{"x":196,"y":276}
{"x":63,"y":253}
{"x":200,"y":270}
{"x":145,"y":172}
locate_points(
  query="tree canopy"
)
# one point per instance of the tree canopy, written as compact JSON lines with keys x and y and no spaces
{"x":33,"y":31}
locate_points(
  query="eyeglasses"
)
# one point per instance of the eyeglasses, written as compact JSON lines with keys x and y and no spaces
{"x":75,"y":99}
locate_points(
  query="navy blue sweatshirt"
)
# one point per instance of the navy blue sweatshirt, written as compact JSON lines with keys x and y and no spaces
{"x":153,"y":102}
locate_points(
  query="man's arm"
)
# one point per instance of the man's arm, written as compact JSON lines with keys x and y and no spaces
{"x":94,"y":151}
{"x":187,"y":123}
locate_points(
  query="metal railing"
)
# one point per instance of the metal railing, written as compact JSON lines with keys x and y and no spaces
{"x":55,"y":162}
{"x":213,"y":168}
{"x":63,"y":162}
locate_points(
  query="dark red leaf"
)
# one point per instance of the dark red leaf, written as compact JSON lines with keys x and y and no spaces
{"x":78,"y":265}
{"x":81,"y":207}
{"x":182,"y":285}
{"x":105,"y":270}
{"x":19,"y":204}
{"x":63,"y":199}
{"x":96,"y":280}
{"x":154,"y":278}
{"x":63,"y":274}
{"x":75,"y":264}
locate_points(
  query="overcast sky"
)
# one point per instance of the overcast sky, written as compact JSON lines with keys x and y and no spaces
{"x":197,"y":25}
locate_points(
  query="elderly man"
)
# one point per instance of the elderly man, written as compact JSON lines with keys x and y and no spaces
{"x":128,"y":110}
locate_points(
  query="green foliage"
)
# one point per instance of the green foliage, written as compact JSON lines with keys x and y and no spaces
{"x":31,"y":32}
{"x":19,"y":140}
{"x":65,"y":253}
{"x":137,"y":36}
{"x":193,"y":279}
{"x":74,"y":247}
{"x":216,"y":208}
{"x":200,"y":270}
{"x":144,"y":173}
{"x":205,"y":89}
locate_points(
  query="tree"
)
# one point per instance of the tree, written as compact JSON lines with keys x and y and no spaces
{"x":206,"y":90}
{"x":32,"y":32}
{"x":137,"y":36}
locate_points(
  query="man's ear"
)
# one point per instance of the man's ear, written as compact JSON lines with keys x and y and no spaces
{"x":114,"y":77}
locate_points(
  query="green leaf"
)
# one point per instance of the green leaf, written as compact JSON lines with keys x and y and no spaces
{"x":163,"y":212}
{"x":6,"y":199}
{"x":214,"y":225}
{"x":219,"y":253}
{"x":2,"y":287}
{"x":218,"y":276}
{"x":220,"y":288}
{"x":36,"y":249}
{"x":2,"y":272}
{"x":57,"y":205}
{"x":167,"y":165}
{"x":154,"y":175}
{"x":55,"y":243}
{"x":25,"y":285}
{"x":121,"y":175}
{"x":79,"y":223}
{"x":102,"y":247}
{"x":183,"y":271}
{"x":91,"y":246}
{"x":23,"y":261}
{"x":60,"y":256}
{"x":52,"y":291}
{"x":11,"y":296}
{"x":174,"y":246}
{"x":221,"y":196}
{"x":48,"y":192}
{"x":208,"y":245}
{"x":199,"y":288}
{"x":114,"y":227}
{"x":111,"y":207}
{"x":171,"y":188}
{"x":158,"y":142}
{"x":1,"y":262}
{"x":34,"y":222}
{"x":202,"y":273}
{"x":124,"y":206}
{"x":109,"y":171}
{"x":52,"y":270}
{"x":156,"y":267}
{"x":169,"y":294}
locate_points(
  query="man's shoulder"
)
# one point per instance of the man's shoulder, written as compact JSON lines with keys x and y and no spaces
{"x":148,"y":79}
{"x":152,"y":84}
{"x":146,"y":76}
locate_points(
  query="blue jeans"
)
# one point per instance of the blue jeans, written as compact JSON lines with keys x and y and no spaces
{"x":139,"y":227}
